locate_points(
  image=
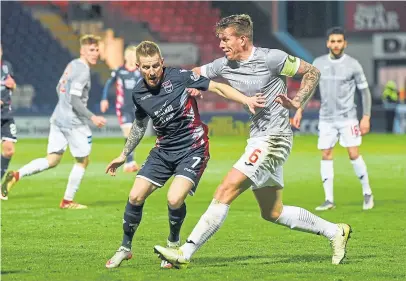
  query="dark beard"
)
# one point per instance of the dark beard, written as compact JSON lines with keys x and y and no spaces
{"x":336,"y":57}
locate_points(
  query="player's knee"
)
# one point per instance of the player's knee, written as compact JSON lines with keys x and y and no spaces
{"x":227,"y":191}
{"x":83,"y":161}
{"x":353,"y":155}
{"x":175,"y":201}
{"x":137,"y":199}
{"x":327,"y":154}
{"x":53,"y":160}
{"x":8,"y":149}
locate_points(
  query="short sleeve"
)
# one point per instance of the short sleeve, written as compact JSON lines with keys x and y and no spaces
{"x":10,"y":69}
{"x":80,"y":77}
{"x":280,"y":63}
{"x":193,"y":80}
{"x":359,"y":76}
{"x":213,"y":69}
{"x":139,"y":112}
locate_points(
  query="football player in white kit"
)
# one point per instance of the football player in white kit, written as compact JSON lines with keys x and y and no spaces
{"x":251,"y":70}
{"x":68,"y":125}
{"x":340,"y":76}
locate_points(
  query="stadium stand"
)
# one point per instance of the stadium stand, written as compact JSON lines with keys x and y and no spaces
{"x":38,"y":59}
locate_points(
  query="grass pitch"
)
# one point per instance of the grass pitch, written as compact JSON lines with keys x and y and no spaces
{"x":42,"y":242}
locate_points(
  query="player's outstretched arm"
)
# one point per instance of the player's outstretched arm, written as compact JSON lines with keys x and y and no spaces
{"x":232,"y":94}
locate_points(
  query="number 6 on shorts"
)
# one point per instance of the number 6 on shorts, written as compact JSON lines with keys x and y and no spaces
{"x":254,"y":156}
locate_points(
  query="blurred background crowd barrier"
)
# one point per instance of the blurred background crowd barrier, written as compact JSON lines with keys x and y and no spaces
{"x":40,"y":37}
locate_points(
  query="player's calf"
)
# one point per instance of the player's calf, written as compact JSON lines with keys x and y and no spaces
{"x":131,"y":220}
{"x":176,"y":218}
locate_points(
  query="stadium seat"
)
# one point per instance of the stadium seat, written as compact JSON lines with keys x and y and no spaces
{"x":37,"y":58}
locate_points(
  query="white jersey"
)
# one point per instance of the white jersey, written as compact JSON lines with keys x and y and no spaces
{"x":261,"y":73}
{"x":74,"y":81}
{"x":338,"y":82}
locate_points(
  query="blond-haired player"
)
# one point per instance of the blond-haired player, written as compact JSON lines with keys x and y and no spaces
{"x":69,"y":125}
{"x":250,"y":70}
{"x":125,"y":77}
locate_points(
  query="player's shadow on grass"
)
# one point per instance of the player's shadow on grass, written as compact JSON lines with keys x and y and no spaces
{"x":270,"y":259}
{"x":5,"y":272}
{"x":120,"y":203}
{"x":387,"y":202}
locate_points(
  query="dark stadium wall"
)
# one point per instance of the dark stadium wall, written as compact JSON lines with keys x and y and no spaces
{"x":262,"y":29}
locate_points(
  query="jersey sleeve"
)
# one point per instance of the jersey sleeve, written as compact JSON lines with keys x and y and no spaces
{"x":10,"y":69}
{"x":280,"y":63}
{"x":213,"y":69}
{"x":108,"y":84}
{"x":80,"y":77}
{"x":193,"y":80}
{"x":359,"y":76}
{"x":138,"y":110}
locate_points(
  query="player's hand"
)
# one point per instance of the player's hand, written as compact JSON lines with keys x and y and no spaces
{"x":286,"y":102}
{"x":297,"y":118}
{"x":257,"y":101}
{"x":98,"y":121}
{"x":365,"y":125}
{"x":9,"y":82}
{"x":1,"y":102}
{"x":104,"y":105}
{"x":114,"y":165}
{"x":195,"y":93}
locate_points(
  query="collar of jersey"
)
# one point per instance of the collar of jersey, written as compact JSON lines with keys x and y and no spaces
{"x":337,"y":60}
{"x":250,"y":57}
{"x":82,"y":61}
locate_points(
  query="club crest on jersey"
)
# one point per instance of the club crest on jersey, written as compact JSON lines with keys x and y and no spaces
{"x":5,"y":68}
{"x":194,"y":76}
{"x":168,"y":87}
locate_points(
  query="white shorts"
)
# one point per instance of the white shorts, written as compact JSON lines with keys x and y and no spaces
{"x":348,"y":131}
{"x":263,"y":160}
{"x":79,"y":140}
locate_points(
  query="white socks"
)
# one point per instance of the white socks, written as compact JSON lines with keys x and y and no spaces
{"x":209,"y":223}
{"x":75,"y":178}
{"x":34,"y":167}
{"x":300,"y":219}
{"x":360,"y":170}
{"x":327,"y":176}
{"x":293,"y":217}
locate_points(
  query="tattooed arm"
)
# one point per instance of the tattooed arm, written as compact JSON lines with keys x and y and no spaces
{"x":310,"y":79}
{"x":136,"y":134}
{"x":293,"y":66}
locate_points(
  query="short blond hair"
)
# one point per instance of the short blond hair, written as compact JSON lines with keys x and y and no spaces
{"x":131,"y":48}
{"x":89,"y":39}
{"x":147,"y":49}
{"x":242,"y":25}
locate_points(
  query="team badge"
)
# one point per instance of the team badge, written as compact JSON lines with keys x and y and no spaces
{"x":168,"y":87}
